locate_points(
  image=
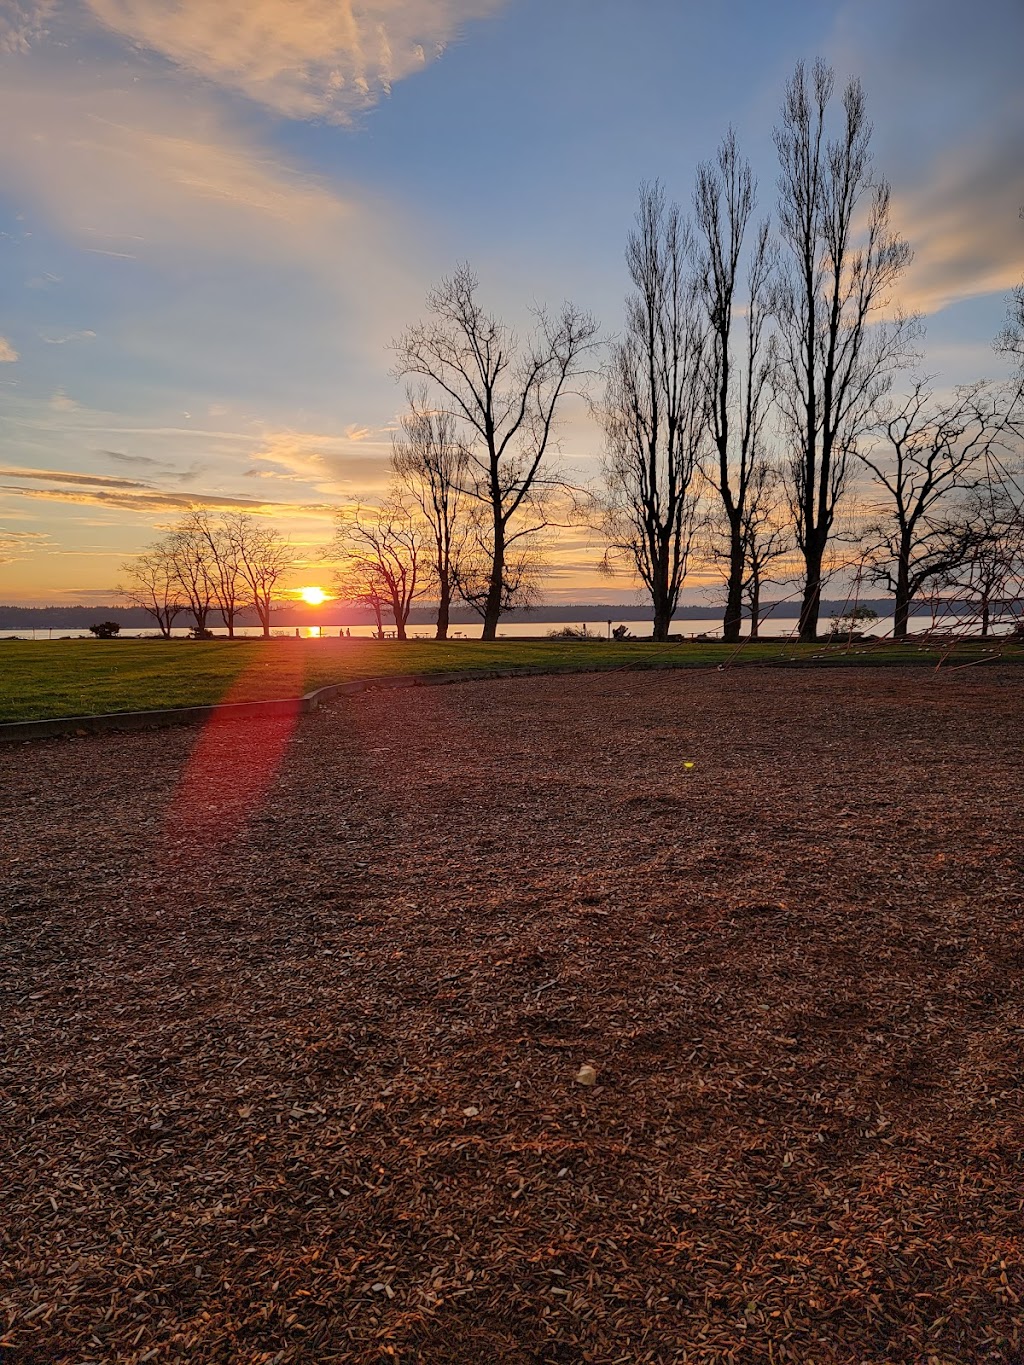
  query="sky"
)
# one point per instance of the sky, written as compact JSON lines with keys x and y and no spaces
{"x":216,"y":214}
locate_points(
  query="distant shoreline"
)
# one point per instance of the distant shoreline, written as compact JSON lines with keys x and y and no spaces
{"x":578,"y":613}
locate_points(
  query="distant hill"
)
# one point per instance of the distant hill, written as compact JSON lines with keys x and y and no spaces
{"x":331,"y":614}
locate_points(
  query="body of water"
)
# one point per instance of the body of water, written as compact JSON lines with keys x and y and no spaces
{"x":688,"y":627}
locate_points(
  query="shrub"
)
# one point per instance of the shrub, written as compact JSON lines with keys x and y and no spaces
{"x":574,"y":633}
{"x":853,"y":622}
{"x":105,"y":630}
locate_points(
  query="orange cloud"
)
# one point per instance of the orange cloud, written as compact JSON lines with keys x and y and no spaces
{"x":302,"y":58}
{"x":87,"y":494}
{"x":965,"y":227}
{"x":127,"y":164}
{"x":62,"y":476}
{"x":332,"y":464}
{"x":7,"y":352}
{"x":15,"y":545}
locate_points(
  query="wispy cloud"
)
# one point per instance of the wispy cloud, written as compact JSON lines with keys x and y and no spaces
{"x":948,"y":126}
{"x":15,"y":545}
{"x":23,"y":22}
{"x":161,"y":468}
{"x":7,"y":352}
{"x":965,"y":226}
{"x":131,"y":170}
{"x":84,"y":335}
{"x":65,"y":476}
{"x":160,"y":501}
{"x":126,"y":168}
{"x":325,"y":59}
{"x":331,"y":464}
{"x":140,"y":495}
{"x":140,"y":461}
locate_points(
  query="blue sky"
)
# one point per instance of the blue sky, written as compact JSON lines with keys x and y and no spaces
{"x":214,"y":214}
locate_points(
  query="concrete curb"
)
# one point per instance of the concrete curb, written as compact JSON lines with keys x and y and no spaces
{"x":24,"y":730}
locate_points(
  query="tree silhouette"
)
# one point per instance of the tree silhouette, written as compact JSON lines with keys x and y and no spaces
{"x":654,"y":411}
{"x":836,"y":355}
{"x":503,"y":399}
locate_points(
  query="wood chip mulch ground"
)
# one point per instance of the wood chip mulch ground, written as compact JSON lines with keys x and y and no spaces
{"x":290,"y":1058}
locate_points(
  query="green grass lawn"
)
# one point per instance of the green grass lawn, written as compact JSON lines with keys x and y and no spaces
{"x":42,"y":679}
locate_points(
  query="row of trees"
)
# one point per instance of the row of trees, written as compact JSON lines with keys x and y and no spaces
{"x":753,"y":380}
{"x":762,"y":370}
{"x":755,"y":386}
{"x":206,"y":565}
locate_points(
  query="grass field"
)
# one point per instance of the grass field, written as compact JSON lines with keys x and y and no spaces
{"x":44,"y":679}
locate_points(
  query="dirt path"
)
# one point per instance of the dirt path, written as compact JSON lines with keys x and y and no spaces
{"x":289,"y":1056}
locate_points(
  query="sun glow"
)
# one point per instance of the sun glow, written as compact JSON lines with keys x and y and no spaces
{"x":314,"y":597}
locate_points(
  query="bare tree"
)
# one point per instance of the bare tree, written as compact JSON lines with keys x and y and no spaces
{"x":503,"y":400}
{"x":836,"y":355}
{"x":353,"y":585}
{"x":737,"y":377}
{"x":262,"y":555}
{"x":525,"y":556}
{"x":767,"y":537}
{"x":991,"y":574}
{"x":224,"y":572}
{"x":381,"y":559}
{"x":431,"y":467}
{"x":1010,"y":340}
{"x":654,"y":410}
{"x":194,"y":565}
{"x":926,"y":454}
{"x":152,"y":583}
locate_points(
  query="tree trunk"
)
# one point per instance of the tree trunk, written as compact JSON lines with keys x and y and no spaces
{"x":985,"y":617}
{"x":660,"y":602}
{"x":492,"y":608}
{"x":662,"y":622}
{"x":444,"y":603}
{"x":902,"y":609}
{"x":732,"y":623}
{"x":811,"y":604}
{"x":755,"y":608}
{"x":660,"y":594}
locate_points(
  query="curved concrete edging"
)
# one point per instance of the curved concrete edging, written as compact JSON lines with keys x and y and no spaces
{"x":311,"y":701}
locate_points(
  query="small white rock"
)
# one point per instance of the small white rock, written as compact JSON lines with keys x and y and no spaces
{"x":471,"y":1111}
{"x":586,"y":1075}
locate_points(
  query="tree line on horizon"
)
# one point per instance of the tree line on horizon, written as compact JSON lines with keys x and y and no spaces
{"x":761,"y":368}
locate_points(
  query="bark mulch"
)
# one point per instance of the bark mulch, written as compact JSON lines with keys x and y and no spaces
{"x":290,"y":1057}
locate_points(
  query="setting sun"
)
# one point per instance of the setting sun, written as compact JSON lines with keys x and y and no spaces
{"x":313,"y":596}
